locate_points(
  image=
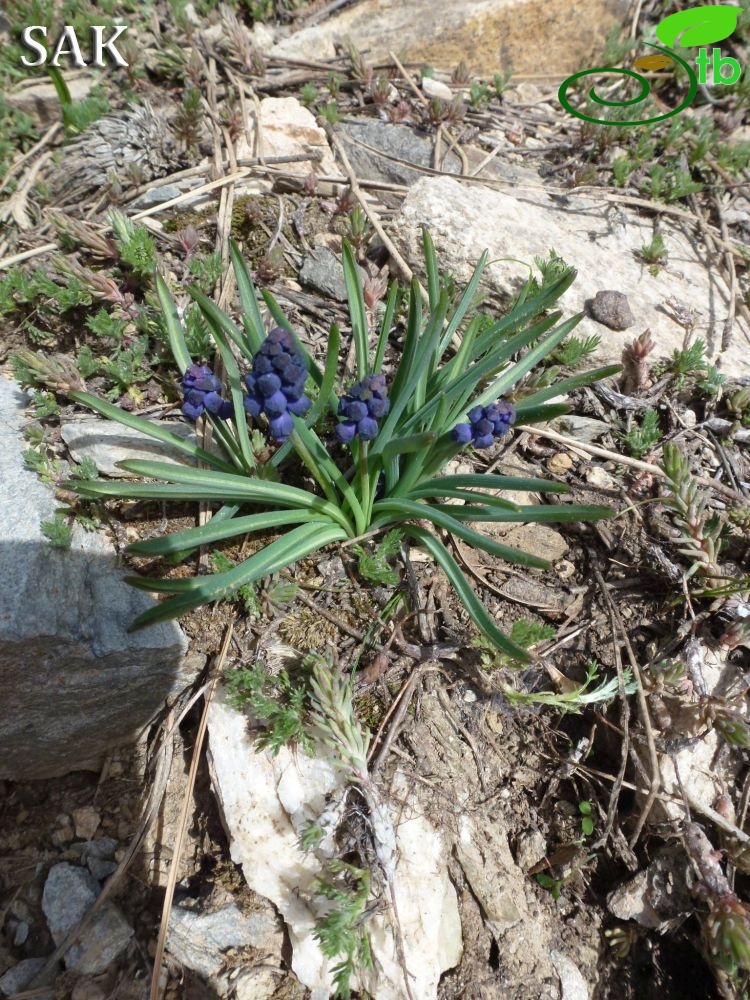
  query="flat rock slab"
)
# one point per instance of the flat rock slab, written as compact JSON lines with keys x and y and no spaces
{"x":106,"y":443}
{"x":76,"y":684}
{"x":600,"y":239}
{"x":69,"y":893}
{"x":554,"y":38}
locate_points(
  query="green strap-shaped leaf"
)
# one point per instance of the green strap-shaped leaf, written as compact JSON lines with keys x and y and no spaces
{"x":357,"y":312}
{"x":151,"y":428}
{"x":457,"y":494}
{"x":535,"y":514}
{"x":328,"y":475}
{"x":698,"y":26}
{"x":220,"y":323}
{"x":251,"y":317}
{"x":391,"y":304}
{"x":398,"y":509}
{"x":216,"y":530}
{"x":488,"y":482}
{"x":239,"y":419}
{"x":175,"y":332}
{"x":285,"y":551}
{"x":474,"y":607}
{"x":568,"y":385}
{"x":431,"y":268}
{"x":252,"y":489}
{"x":408,"y":445}
{"x":464,"y":304}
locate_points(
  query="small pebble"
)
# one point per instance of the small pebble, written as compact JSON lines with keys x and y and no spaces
{"x":87,"y":821}
{"x":560,"y":463}
{"x":596,"y":476}
{"x":611,"y":309}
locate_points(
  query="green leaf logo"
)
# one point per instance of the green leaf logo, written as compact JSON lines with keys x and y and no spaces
{"x":698,"y":26}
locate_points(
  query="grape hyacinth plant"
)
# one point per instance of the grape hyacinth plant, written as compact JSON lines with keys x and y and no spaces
{"x":454,"y":381}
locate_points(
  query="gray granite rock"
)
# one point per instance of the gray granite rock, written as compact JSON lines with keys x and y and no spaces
{"x":76,"y":684}
{"x":69,"y":893}
{"x":322,"y":270}
{"x":20,"y":976}
{"x":198,"y":939}
{"x":106,"y":443}
{"x":389,"y":149}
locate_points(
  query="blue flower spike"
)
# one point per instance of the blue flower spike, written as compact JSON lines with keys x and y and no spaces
{"x":361,"y":407}
{"x":202,"y":392}
{"x":486,"y":424}
{"x":276,"y":386}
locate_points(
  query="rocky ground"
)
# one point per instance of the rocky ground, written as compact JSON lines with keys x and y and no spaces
{"x":549,"y":844}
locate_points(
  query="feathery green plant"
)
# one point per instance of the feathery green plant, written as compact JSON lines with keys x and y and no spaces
{"x":392,"y":480}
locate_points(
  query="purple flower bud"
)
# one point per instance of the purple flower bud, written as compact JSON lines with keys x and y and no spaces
{"x":252,"y":384}
{"x":269,"y":384}
{"x":483,"y":427}
{"x":226,"y":410}
{"x":275,"y":404}
{"x":281,"y":337}
{"x":378,"y":407}
{"x":281,"y":361}
{"x":485,"y":441}
{"x":213,"y":402}
{"x":356,"y":411}
{"x":345,"y":432}
{"x":462,"y":433}
{"x":476,"y":413}
{"x":281,"y":427}
{"x":293,"y":373}
{"x":261,"y":364}
{"x":191,"y":411}
{"x":294,"y":391}
{"x":299,"y":407}
{"x":367,"y":429}
{"x":252,"y":405}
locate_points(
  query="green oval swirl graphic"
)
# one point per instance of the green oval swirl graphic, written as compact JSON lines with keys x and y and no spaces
{"x":562,"y":93}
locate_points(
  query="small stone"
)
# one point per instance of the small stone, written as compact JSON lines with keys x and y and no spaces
{"x":19,"y":977}
{"x":198,"y":940}
{"x":585,"y":429}
{"x":21,"y":934}
{"x":87,"y":989}
{"x":560,"y":463}
{"x":322,"y":271}
{"x":629,"y":902}
{"x":86,"y":820}
{"x":530,"y":850}
{"x":596,"y":476}
{"x":565,"y":569}
{"x":156,"y":196}
{"x":538,"y":540}
{"x":101,"y":869}
{"x":64,"y":832}
{"x":437,"y":89}
{"x":612,"y":309}
{"x":69,"y":893}
{"x":102,"y":847}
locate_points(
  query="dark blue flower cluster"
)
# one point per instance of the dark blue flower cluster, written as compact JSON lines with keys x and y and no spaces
{"x":486,"y":424}
{"x":362,"y":406}
{"x":201,"y":389}
{"x":276,"y":386}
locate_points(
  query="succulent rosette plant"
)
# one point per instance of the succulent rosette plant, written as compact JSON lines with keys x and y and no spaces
{"x":375,"y":450}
